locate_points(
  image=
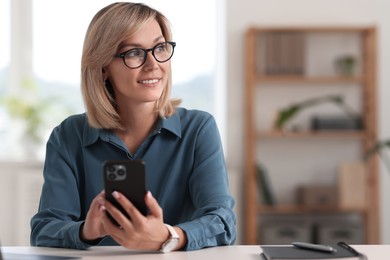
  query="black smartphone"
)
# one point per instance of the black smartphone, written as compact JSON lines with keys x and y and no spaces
{"x":128,"y":178}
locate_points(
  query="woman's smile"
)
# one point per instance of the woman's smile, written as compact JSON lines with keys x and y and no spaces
{"x":149,"y":82}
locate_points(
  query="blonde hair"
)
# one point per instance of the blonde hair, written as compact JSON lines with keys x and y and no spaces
{"x":108,"y":28}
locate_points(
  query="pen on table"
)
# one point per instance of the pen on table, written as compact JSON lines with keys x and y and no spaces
{"x":315,"y":247}
{"x":352,"y":250}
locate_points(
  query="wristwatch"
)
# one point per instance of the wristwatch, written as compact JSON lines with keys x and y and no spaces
{"x":172,"y":242}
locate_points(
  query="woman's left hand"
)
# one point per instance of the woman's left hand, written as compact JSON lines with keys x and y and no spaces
{"x":139,"y":232}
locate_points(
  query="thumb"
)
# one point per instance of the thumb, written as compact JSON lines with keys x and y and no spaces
{"x":153,"y":206}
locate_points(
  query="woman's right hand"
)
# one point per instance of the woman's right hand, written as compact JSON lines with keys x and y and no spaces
{"x":93,"y":228}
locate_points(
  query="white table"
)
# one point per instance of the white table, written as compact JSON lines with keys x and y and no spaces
{"x":239,"y":252}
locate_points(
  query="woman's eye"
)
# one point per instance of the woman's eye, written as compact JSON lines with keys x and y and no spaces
{"x":134,"y":53}
{"x":161,"y":48}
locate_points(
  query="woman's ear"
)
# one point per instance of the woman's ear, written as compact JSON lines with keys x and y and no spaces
{"x":104,"y":72}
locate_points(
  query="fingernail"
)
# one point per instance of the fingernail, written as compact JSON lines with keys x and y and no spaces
{"x":115,"y":194}
{"x":149,"y":194}
{"x":102,"y":209}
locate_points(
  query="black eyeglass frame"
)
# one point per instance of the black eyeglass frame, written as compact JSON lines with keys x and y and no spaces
{"x":122,"y":55}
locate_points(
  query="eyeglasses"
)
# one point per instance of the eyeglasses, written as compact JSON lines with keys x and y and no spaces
{"x":135,"y":58}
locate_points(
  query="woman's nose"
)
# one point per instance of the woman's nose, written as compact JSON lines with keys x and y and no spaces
{"x":150,"y":61}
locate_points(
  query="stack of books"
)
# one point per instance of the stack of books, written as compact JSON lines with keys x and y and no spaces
{"x":281,"y":53}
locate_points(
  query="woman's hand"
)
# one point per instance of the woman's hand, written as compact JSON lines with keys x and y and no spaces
{"x":93,"y":226}
{"x":139,"y":232}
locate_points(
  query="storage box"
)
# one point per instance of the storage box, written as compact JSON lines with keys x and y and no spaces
{"x":352,"y":190}
{"x":336,"y":123}
{"x":284,"y":233}
{"x":317,"y":196}
{"x":333,"y":233}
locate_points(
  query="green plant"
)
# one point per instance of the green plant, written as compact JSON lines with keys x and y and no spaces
{"x":30,"y":107}
{"x":378,"y":148}
{"x":346,"y":65}
{"x":289,"y":112}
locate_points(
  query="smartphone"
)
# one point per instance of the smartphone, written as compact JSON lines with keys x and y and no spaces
{"x":127,"y":177}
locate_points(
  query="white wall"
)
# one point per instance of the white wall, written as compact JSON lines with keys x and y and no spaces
{"x":244,"y":13}
{"x":20,"y":189}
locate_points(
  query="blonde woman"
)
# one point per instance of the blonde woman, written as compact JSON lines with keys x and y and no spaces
{"x":126,"y":85}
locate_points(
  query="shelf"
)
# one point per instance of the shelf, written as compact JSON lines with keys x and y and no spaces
{"x":285,"y":64}
{"x":353,"y":134}
{"x":301,"y":209}
{"x":309,"y":79}
{"x":308,"y":29}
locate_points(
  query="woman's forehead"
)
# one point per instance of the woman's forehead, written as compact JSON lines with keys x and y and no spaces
{"x":149,"y":33}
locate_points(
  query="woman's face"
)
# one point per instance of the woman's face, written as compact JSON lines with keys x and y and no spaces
{"x":143,"y":85}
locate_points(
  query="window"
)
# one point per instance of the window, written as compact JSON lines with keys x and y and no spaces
{"x":59,"y":27}
{"x":5,"y":36}
{"x":4,"y":64}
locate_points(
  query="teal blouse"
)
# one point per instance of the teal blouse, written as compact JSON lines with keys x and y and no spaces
{"x":185,"y":170}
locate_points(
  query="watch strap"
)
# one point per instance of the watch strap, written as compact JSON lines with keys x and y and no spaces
{"x":172,"y":241}
{"x":172,"y":231}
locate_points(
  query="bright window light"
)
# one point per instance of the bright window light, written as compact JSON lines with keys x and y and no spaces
{"x":5,"y":34}
{"x":58,"y":30}
{"x":194,"y":62}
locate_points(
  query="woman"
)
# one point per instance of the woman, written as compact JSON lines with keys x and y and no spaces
{"x":126,"y":84}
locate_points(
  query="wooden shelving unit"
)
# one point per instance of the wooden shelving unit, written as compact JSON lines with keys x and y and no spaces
{"x":297,"y":209}
{"x":310,"y":134}
{"x":365,"y":79}
{"x":307,"y":80}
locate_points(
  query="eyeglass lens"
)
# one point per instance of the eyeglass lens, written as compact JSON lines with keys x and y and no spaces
{"x":162,"y":52}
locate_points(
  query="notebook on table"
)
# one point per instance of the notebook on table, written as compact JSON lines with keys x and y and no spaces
{"x":343,"y":252}
{"x":12,"y":256}
{"x":16,"y":256}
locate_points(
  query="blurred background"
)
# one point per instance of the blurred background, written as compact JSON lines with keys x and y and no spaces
{"x":40,"y":51}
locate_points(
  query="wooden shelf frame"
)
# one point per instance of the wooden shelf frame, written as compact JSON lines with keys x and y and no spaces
{"x":367,"y":80}
{"x":302,"y":209}
{"x":312,"y":134}
{"x":309,"y":79}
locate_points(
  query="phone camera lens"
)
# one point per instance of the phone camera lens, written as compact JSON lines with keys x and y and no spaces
{"x":121,"y":172}
{"x":112,"y":176}
{"x":111,"y":168}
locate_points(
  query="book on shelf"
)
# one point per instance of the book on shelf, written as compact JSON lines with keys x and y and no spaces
{"x":264,"y":185}
{"x":283,"y":53}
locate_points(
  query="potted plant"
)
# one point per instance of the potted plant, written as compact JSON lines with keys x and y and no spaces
{"x":289,"y":112}
{"x":31,"y":112}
